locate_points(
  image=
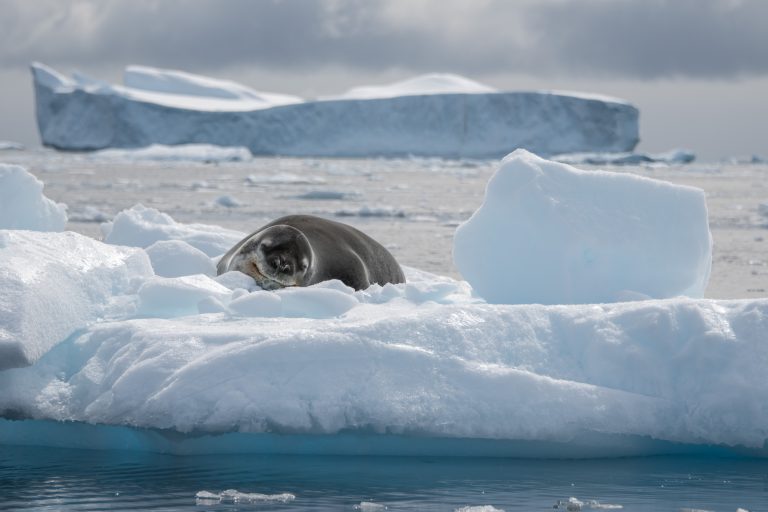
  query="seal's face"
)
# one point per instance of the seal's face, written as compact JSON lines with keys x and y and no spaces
{"x":277,"y":257}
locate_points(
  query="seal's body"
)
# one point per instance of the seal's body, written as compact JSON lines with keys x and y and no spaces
{"x":301,"y":250}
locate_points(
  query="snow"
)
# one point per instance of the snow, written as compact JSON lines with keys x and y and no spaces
{"x":55,"y":284}
{"x":23,"y":205}
{"x":98,"y":351}
{"x":180,"y":82}
{"x":552,"y":234}
{"x":141,"y":227}
{"x":175,"y":258}
{"x":437,"y":115}
{"x":179,"y":153}
{"x":434,"y":83}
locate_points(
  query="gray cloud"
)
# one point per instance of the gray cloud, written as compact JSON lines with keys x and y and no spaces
{"x":622,"y":38}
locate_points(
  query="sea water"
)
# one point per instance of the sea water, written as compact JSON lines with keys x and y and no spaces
{"x":36,"y":478}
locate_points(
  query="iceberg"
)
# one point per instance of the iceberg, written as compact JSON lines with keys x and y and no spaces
{"x":99,"y":352}
{"x":436,"y":115}
{"x":549,"y":233}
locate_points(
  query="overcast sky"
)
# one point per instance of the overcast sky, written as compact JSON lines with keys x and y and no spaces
{"x":697,"y":69}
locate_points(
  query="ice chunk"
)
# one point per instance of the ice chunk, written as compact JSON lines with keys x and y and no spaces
{"x":235,"y":496}
{"x":228,"y":202}
{"x":141,"y":227}
{"x":479,"y":508}
{"x":312,"y":302}
{"x":23,"y":204}
{"x":178,"y":296}
{"x":675,"y":156}
{"x":54,"y":284}
{"x":180,"y":153}
{"x":369,"y":506}
{"x":89,"y":213}
{"x":235,"y":279}
{"x":371,"y":211}
{"x":552,"y":234}
{"x":174,"y":258}
{"x":10,"y":145}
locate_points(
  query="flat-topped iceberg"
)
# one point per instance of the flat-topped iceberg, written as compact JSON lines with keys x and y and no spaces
{"x":435,"y":115}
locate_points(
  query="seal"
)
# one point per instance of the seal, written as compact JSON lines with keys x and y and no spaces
{"x":301,"y":250}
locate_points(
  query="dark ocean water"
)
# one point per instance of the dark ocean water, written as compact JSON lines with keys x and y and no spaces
{"x":34,"y":478}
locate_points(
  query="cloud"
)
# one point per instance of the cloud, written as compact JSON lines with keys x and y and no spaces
{"x":622,"y":38}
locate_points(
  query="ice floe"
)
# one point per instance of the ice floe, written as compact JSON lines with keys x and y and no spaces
{"x":179,"y":153}
{"x":99,"y":351}
{"x":675,"y":156}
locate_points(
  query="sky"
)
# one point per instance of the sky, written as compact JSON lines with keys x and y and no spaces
{"x":696,"y":69}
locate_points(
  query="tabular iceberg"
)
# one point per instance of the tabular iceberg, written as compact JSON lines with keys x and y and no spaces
{"x":428,"y":116}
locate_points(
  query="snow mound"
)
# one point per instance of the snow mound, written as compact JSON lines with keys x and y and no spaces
{"x":23,"y":204}
{"x":552,"y":234}
{"x":434,"y":83}
{"x":141,"y":227}
{"x":56,"y":283}
{"x":175,"y":258}
{"x":180,"y":153}
{"x":437,"y":115}
{"x":180,"y":82}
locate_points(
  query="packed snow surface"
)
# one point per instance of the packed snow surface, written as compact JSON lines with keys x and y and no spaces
{"x":435,"y":83}
{"x":434,"y":115}
{"x":91,"y":335}
{"x":549,"y":233}
{"x":56,"y":283}
{"x":23,"y":205}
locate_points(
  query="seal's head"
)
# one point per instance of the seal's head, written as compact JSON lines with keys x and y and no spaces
{"x":276,"y":257}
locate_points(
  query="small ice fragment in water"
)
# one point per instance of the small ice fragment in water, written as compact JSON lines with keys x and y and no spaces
{"x":228,"y":202}
{"x":479,"y":508}
{"x":369,"y":506}
{"x":235,"y":496}
{"x":571,"y":504}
